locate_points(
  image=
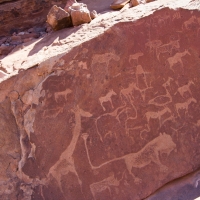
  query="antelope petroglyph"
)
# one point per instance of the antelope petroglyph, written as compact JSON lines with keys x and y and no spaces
{"x":104,"y":58}
{"x":184,"y":105}
{"x":62,"y":93}
{"x":104,"y":184}
{"x":187,"y":24}
{"x":65,"y":164}
{"x":167,"y":48}
{"x":153,"y":44}
{"x":107,"y":98}
{"x":135,"y":56}
{"x":157,"y":115}
{"x":161,"y":144}
{"x":185,"y":88}
{"x":177,"y":58}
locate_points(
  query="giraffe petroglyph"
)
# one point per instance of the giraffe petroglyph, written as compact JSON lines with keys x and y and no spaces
{"x":177,"y":58}
{"x":161,"y":144}
{"x":184,"y":105}
{"x":107,"y":98}
{"x":65,"y":164}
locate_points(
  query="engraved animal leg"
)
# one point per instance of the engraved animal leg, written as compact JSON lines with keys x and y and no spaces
{"x":102,"y":106}
{"x":96,"y":124}
{"x":129,"y":168}
{"x":155,"y":159}
{"x":111,"y":103}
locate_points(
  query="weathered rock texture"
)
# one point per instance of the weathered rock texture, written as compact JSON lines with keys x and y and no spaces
{"x":16,"y":16}
{"x":106,"y":111}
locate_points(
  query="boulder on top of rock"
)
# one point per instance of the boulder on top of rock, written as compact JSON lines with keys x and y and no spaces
{"x":79,"y":14}
{"x":118,"y":4}
{"x":137,"y":2}
{"x":58,"y":18}
{"x":68,"y":4}
{"x":93,"y":14}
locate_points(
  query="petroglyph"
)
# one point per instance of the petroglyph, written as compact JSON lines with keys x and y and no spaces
{"x":135,"y":57}
{"x":167,"y":83}
{"x":189,"y":22}
{"x":62,"y":93}
{"x":140,"y":71}
{"x":153,"y":45}
{"x":177,"y":58}
{"x":185,"y":88}
{"x":52,"y":113}
{"x":157,"y":115}
{"x":65,"y":164}
{"x":104,"y":58}
{"x":112,"y":114}
{"x":167,"y":48}
{"x":184,"y":105}
{"x":149,"y":153}
{"x":167,"y":97}
{"x":107,"y":98}
{"x":105,"y":184}
{"x":127,"y":93}
{"x":141,"y":130}
{"x":177,"y":15}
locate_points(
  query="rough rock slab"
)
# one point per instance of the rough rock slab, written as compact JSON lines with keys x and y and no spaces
{"x":19,"y":15}
{"x":96,"y":120}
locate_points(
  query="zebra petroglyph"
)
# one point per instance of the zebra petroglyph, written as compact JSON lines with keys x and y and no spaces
{"x":149,"y":153}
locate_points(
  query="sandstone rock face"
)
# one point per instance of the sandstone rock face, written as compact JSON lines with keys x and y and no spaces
{"x":116,"y":117}
{"x":16,"y":16}
{"x":58,"y":18}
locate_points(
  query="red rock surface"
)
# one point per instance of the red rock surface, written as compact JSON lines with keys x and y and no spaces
{"x":109,"y":110}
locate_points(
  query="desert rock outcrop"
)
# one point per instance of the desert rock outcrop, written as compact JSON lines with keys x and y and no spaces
{"x":107,"y":110}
